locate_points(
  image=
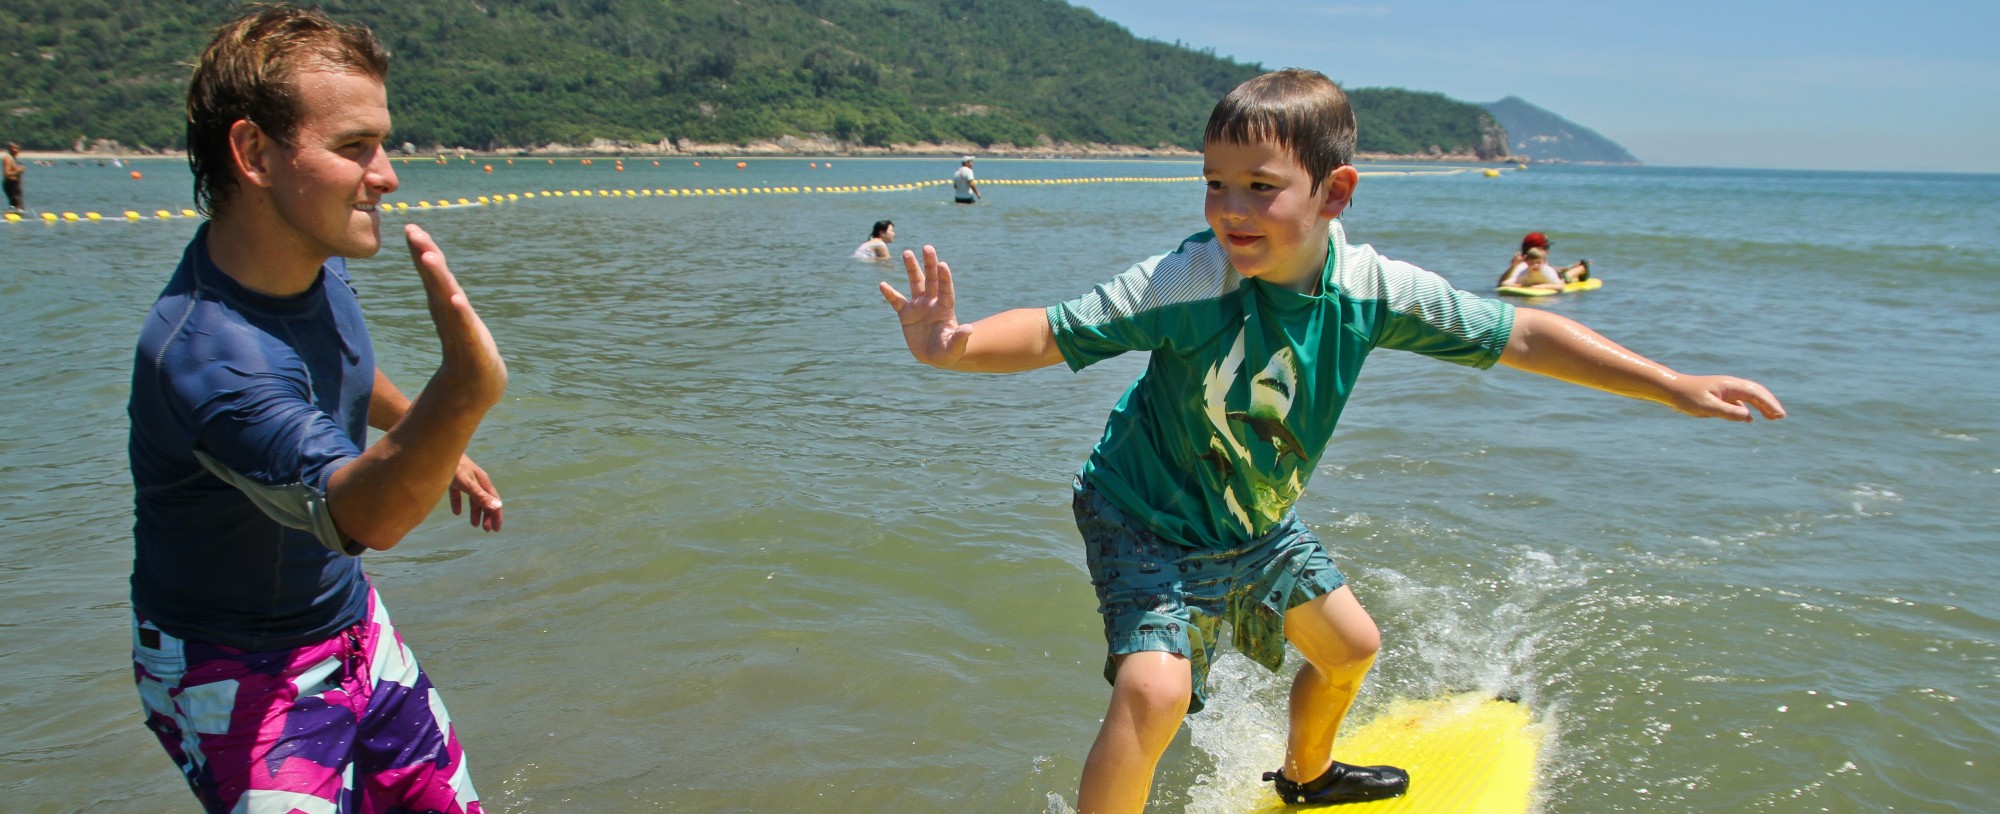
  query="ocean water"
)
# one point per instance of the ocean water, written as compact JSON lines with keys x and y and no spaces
{"x":756,"y":559}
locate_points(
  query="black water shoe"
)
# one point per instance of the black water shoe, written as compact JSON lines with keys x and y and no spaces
{"x":1343,"y":783}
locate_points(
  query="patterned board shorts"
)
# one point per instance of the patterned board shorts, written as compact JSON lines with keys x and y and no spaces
{"x":349,"y":725}
{"x":1161,"y":596}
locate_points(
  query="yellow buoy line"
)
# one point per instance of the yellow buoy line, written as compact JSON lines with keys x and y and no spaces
{"x":131,"y":215}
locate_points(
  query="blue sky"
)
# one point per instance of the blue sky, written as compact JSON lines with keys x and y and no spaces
{"x":1808,"y":85}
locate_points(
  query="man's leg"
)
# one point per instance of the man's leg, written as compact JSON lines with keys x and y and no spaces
{"x":1339,"y":640}
{"x":1148,"y":701}
{"x":408,"y":757}
{"x":249,"y":731}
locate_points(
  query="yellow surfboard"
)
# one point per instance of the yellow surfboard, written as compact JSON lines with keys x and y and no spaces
{"x":1591,"y":284}
{"x":1466,"y":754}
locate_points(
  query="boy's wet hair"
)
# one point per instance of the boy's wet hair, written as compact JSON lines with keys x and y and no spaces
{"x":1297,"y":109}
{"x":247,"y":72}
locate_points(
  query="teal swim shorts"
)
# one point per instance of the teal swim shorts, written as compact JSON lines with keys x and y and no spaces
{"x":1156,"y":595}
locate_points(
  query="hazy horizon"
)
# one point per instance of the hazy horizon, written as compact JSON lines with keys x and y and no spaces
{"x":1834,"y":86}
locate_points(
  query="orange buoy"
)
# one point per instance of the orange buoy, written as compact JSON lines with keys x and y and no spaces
{"x":697,"y":163}
{"x":489,"y":168}
{"x":741,"y":165}
{"x":136,"y":176}
{"x":812,"y":165}
{"x":656,"y":163}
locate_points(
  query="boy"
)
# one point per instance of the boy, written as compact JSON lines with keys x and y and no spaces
{"x":1532,"y":242}
{"x":266,"y":664}
{"x":1257,"y":329}
{"x":1534,"y":272}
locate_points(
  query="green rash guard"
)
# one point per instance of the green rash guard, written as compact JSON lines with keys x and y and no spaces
{"x":1216,"y":440}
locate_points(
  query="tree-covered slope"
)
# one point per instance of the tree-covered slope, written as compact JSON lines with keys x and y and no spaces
{"x":520,"y":73}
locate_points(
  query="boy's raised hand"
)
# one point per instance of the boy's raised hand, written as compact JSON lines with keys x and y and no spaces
{"x":929,"y":314}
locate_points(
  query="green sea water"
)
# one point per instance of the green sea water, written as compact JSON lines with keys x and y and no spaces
{"x":757,"y":559}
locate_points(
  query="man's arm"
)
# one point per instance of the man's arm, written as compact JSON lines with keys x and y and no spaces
{"x":1561,"y":348}
{"x":469,"y":485}
{"x":383,"y":494}
{"x":1007,"y":342}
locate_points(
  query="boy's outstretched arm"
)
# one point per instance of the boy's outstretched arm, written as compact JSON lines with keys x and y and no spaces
{"x":1561,"y":348}
{"x":1007,"y":342}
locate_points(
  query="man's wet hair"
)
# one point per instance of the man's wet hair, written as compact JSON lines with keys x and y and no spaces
{"x":249,"y":71}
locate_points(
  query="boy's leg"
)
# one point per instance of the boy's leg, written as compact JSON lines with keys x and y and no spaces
{"x":1339,"y":640}
{"x":1149,"y":699}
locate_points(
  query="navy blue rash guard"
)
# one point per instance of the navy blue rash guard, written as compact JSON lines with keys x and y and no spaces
{"x":243,"y":406}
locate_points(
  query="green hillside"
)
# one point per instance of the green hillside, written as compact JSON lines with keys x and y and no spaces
{"x":500,"y":74}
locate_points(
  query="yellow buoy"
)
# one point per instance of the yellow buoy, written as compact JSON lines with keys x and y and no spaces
{"x":92,"y":216}
{"x":162,"y":214}
{"x":69,"y":216}
{"x":1492,"y":173}
{"x":49,"y":216}
{"x":187,"y":213}
{"x":13,"y":218}
{"x":131,"y":215}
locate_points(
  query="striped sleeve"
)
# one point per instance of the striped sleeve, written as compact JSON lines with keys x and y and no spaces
{"x":1139,"y":308}
{"x":1422,"y":313}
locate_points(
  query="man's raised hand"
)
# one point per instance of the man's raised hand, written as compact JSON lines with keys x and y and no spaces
{"x":471,"y":363}
{"x":929,"y":313}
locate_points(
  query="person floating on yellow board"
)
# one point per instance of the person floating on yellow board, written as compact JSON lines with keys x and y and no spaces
{"x":1257,"y":328}
{"x":1518,"y":264}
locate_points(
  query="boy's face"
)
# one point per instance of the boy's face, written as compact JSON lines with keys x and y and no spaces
{"x":1265,"y":212}
{"x":327,"y":184}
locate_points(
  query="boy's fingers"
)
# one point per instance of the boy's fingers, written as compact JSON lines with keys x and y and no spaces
{"x":895,"y":298}
{"x":915,"y":272}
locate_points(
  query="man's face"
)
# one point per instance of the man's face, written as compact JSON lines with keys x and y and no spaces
{"x":1263,"y":208}
{"x":327,"y":184}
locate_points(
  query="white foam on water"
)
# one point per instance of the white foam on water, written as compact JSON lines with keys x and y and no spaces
{"x":1480,"y":634}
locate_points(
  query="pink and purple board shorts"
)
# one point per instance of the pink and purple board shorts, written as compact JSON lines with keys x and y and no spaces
{"x":349,"y":725}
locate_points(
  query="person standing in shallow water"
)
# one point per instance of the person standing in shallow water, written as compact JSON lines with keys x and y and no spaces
{"x":964,"y":189}
{"x":12,"y":170}
{"x":266,"y":664}
{"x":1256,"y":329}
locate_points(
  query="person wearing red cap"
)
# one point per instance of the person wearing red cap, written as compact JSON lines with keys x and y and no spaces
{"x":1517,"y":268}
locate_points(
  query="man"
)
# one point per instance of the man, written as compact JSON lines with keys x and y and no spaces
{"x":267,"y":665}
{"x":964,"y":188}
{"x":11,"y":168}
